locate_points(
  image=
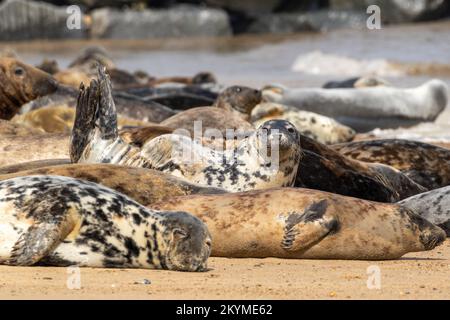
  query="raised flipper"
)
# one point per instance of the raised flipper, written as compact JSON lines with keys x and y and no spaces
{"x":95,"y":111}
{"x":304,"y":230}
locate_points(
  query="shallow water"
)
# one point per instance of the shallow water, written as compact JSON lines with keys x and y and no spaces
{"x":260,"y":60}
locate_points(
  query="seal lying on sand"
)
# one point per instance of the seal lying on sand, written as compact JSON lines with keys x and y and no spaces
{"x":231,"y":110}
{"x":427,"y":164}
{"x":127,"y":105}
{"x":60,"y":221}
{"x":146,"y":186}
{"x":433,"y":206}
{"x":325,"y":169}
{"x":95,"y":139}
{"x":8,"y":128}
{"x":301,"y":223}
{"x":60,"y":119}
{"x":17,"y":149}
{"x":31,"y":165}
{"x":19,"y":84}
{"x":312,"y":125}
{"x":365,"y":109}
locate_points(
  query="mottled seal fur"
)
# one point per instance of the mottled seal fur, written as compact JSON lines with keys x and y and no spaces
{"x":20,"y":83}
{"x":60,"y":119}
{"x":325,"y":169}
{"x":427,"y":164}
{"x":433,"y":205}
{"x":146,"y":186}
{"x":310,"y":124}
{"x":365,"y":109}
{"x":17,"y":149}
{"x":301,"y":223}
{"x":60,"y":221}
{"x":95,"y":139}
{"x":231,"y":110}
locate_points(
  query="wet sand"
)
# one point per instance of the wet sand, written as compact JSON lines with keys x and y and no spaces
{"x":421,"y":275}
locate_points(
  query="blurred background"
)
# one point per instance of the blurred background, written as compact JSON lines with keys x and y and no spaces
{"x":298,"y":43}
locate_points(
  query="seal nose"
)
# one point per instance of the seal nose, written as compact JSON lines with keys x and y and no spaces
{"x":283,"y":127}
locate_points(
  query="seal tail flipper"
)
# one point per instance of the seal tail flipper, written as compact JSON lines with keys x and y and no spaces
{"x":302,"y":231}
{"x":95,"y":113}
{"x":36,"y":243}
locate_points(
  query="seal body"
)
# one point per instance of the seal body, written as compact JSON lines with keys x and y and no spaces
{"x":325,"y":169}
{"x":302,"y":223}
{"x":21,"y":83}
{"x":427,"y":164}
{"x":365,"y":109}
{"x":145,"y":186}
{"x":433,"y":205}
{"x":62,"y":221}
{"x":95,"y":139}
{"x":310,"y":124}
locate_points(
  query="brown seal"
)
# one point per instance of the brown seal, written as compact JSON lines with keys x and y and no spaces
{"x":427,"y":164}
{"x":325,"y":169}
{"x":145,"y":186}
{"x":301,"y":223}
{"x":231,"y":110}
{"x":21,"y":83}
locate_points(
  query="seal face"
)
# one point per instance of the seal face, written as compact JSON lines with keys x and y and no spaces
{"x":302,"y":223}
{"x":433,"y":206}
{"x":62,"y":221}
{"x":21,"y":83}
{"x":95,"y":139}
{"x":426,"y":164}
{"x":315,"y":126}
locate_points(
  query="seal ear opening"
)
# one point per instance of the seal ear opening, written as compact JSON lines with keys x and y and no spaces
{"x":179,"y":234}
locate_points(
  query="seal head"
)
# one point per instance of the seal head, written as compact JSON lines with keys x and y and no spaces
{"x":190,"y":242}
{"x":239,"y":99}
{"x":21,"y":83}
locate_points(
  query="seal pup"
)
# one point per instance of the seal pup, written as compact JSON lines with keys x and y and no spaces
{"x":95,"y":139}
{"x":433,"y":205}
{"x":310,"y":124}
{"x":61,"y":221}
{"x":325,"y":169}
{"x":231,"y":110}
{"x":21,"y":83}
{"x":427,"y":164}
{"x":365,"y":109}
{"x":145,"y":186}
{"x":309,"y":224}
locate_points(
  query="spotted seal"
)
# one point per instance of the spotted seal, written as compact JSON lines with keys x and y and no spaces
{"x":427,"y":164}
{"x":310,"y":124}
{"x":325,"y":169}
{"x":61,"y":221}
{"x":21,"y":83}
{"x":146,"y":186}
{"x":302,"y":223}
{"x":365,"y":109}
{"x":95,"y":139}
{"x":231,"y":110}
{"x":433,"y":205}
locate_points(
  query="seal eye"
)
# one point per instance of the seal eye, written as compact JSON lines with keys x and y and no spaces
{"x":238,"y":89}
{"x":19,"y":71}
{"x":291,"y":130}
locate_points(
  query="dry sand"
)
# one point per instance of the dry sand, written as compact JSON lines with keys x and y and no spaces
{"x":422,"y":275}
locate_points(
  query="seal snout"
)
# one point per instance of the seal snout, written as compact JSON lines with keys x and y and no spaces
{"x":283,"y":130}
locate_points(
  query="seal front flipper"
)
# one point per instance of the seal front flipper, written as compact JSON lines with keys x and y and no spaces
{"x":36,"y":243}
{"x":304,"y":230}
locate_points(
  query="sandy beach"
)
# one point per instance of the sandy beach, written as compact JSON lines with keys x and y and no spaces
{"x":421,"y":275}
